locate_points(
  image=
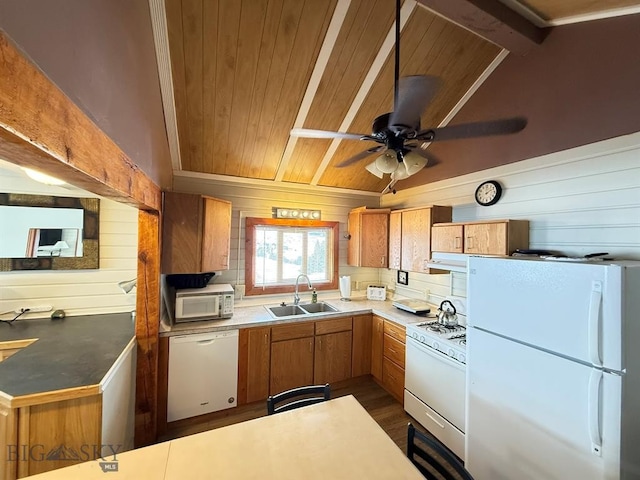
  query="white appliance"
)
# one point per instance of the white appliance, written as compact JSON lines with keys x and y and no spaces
{"x":435,"y":377}
{"x":203,"y":374}
{"x":207,"y":303}
{"x":553,"y":372}
{"x":376,"y":292}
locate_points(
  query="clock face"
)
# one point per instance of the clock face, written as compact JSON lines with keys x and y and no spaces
{"x":488,"y":193}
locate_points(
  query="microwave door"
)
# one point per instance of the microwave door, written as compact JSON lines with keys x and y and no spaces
{"x":198,"y":306}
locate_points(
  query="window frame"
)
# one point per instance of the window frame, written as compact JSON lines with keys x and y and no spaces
{"x":250,"y":234}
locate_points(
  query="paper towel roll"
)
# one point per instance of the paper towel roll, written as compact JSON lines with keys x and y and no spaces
{"x":345,"y":287}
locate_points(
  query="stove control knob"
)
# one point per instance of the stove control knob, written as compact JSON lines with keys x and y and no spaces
{"x":422,"y":339}
{"x":462,"y":358}
{"x":436,"y":345}
{"x":414,"y":335}
{"x":451,"y":353}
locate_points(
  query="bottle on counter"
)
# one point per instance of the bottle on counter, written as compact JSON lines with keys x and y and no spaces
{"x":314,"y":296}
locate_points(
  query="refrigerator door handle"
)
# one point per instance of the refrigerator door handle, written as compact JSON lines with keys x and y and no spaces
{"x":595,"y":380}
{"x":594,"y":323}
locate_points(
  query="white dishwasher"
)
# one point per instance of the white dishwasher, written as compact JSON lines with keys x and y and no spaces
{"x":203,"y":373}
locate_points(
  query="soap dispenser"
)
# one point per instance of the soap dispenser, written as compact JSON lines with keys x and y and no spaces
{"x":314,"y":296}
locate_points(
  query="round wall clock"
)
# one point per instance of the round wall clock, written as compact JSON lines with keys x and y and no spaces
{"x":488,"y":193}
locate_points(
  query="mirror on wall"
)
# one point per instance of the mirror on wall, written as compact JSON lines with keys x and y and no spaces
{"x":48,"y":233}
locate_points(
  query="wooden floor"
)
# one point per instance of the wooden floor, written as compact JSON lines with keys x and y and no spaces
{"x":384,"y":409}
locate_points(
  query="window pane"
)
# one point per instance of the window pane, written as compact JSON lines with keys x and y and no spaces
{"x":282,"y":253}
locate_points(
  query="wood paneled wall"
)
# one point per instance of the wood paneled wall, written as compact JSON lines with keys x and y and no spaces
{"x":578,"y":201}
{"x":256,"y":201}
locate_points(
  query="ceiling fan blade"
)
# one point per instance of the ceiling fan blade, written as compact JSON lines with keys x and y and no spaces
{"x":309,"y":133}
{"x":504,"y":126}
{"x":359,"y":156}
{"x":414,"y":94}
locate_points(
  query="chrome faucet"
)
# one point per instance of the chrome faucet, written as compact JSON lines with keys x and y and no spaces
{"x":296,"y":297}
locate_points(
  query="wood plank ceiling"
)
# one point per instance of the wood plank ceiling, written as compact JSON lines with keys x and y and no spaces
{"x":247,"y":71}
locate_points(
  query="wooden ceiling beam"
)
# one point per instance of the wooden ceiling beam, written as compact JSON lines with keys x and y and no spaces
{"x":491,"y":20}
{"x":41,"y":128}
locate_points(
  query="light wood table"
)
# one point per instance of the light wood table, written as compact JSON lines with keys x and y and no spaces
{"x":335,"y":439}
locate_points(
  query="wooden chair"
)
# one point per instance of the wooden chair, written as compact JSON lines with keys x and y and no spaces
{"x":304,"y":395}
{"x":439,"y":457}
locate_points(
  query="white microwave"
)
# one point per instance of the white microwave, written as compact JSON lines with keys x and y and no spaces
{"x":208,"y":303}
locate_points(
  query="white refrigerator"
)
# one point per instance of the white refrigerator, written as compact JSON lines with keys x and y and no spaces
{"x":553,"y":370}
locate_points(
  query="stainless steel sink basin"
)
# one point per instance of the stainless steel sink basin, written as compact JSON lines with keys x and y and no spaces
{"x":317,"y":307}
{"x":286,"y":311}
{"x":300,"y":310}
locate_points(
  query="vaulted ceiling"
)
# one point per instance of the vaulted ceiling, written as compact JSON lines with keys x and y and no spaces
{"x":245,"y":72}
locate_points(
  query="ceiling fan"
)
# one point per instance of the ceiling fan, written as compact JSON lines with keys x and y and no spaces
{"x":402,"y":150}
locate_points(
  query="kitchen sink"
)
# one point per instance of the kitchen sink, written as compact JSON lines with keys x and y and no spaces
{"x":300,"y":310}
{"x":317,"y":307}
{"x":286,"y":311}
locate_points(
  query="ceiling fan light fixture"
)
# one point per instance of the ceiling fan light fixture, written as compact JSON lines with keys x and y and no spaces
{"x":371,"y":168}
{"x":387,"y":162}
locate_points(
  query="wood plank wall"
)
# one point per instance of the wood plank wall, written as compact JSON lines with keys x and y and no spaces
{"x":78,"y":292}
{"x":578,"y":201}
{"x":256,"y":201}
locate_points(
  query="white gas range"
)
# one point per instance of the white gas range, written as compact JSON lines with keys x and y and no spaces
{"x":435,"y":376}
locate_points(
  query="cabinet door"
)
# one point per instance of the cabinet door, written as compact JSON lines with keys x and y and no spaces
{"x":332,"y":357}
{"x":353,"y":245}
{"x":254,"y":363}
{"x":181,"y":232}
{"x":416,"y":235}
{"x":374,"y":239}
{"x":376,"y":347}
{"x":361,"y":353}
{"x":216,"y":234}
{"x":447,"y":238}
{"x":393,"y":379}
{"x":486,"y":238}
{"x":395,"y":239}
{"x":291,"y":364}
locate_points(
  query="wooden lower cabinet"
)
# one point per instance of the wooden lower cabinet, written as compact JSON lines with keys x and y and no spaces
{"x":39,"y":438}
{"x":291,"y":364}
{"x":387,"y":356}
{"x":377,"y":337}
{"x":332,"y":357}
{"x":393,"y":379}
{"x":254,"y":359}
{"x":361,"y":351}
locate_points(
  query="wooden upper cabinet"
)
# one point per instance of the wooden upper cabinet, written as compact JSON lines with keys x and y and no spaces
{"x":416,"y":236}
{"x":447,"y":238}
{"x":395,"y":239}
{"x":196,"y":232}
{"x":369,"y":242}
{"x":496,"y":237}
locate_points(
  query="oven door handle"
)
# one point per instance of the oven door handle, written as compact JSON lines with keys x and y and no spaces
{"x":412,"y":342}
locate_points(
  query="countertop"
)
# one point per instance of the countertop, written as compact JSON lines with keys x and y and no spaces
{"x":70,"y":353}
{"x":255,"y":316}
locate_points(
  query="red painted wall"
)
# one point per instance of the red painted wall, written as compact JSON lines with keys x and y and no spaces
{"x":101,"y":54}
{"x":582,"y":85}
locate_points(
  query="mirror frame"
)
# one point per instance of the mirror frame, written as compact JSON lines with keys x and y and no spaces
{"x":90,"y":233}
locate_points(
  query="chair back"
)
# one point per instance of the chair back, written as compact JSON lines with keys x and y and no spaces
{"x":439,"y":457}
{"x":298,"y":397}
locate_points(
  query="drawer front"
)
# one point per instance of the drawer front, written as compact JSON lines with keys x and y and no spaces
{"x":290,"y":331}
{"x":393,"y":379}
{"x":394,"y":350}
{"x":394,"y":330}
{"x":333,"y":325}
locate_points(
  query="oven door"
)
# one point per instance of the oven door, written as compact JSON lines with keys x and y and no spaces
{"x":436,"y":380}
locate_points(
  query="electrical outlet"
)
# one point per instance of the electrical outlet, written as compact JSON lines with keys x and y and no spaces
{"x":239,"y":292}
{"x":426,"y":294}
{"x":36,"y":309}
